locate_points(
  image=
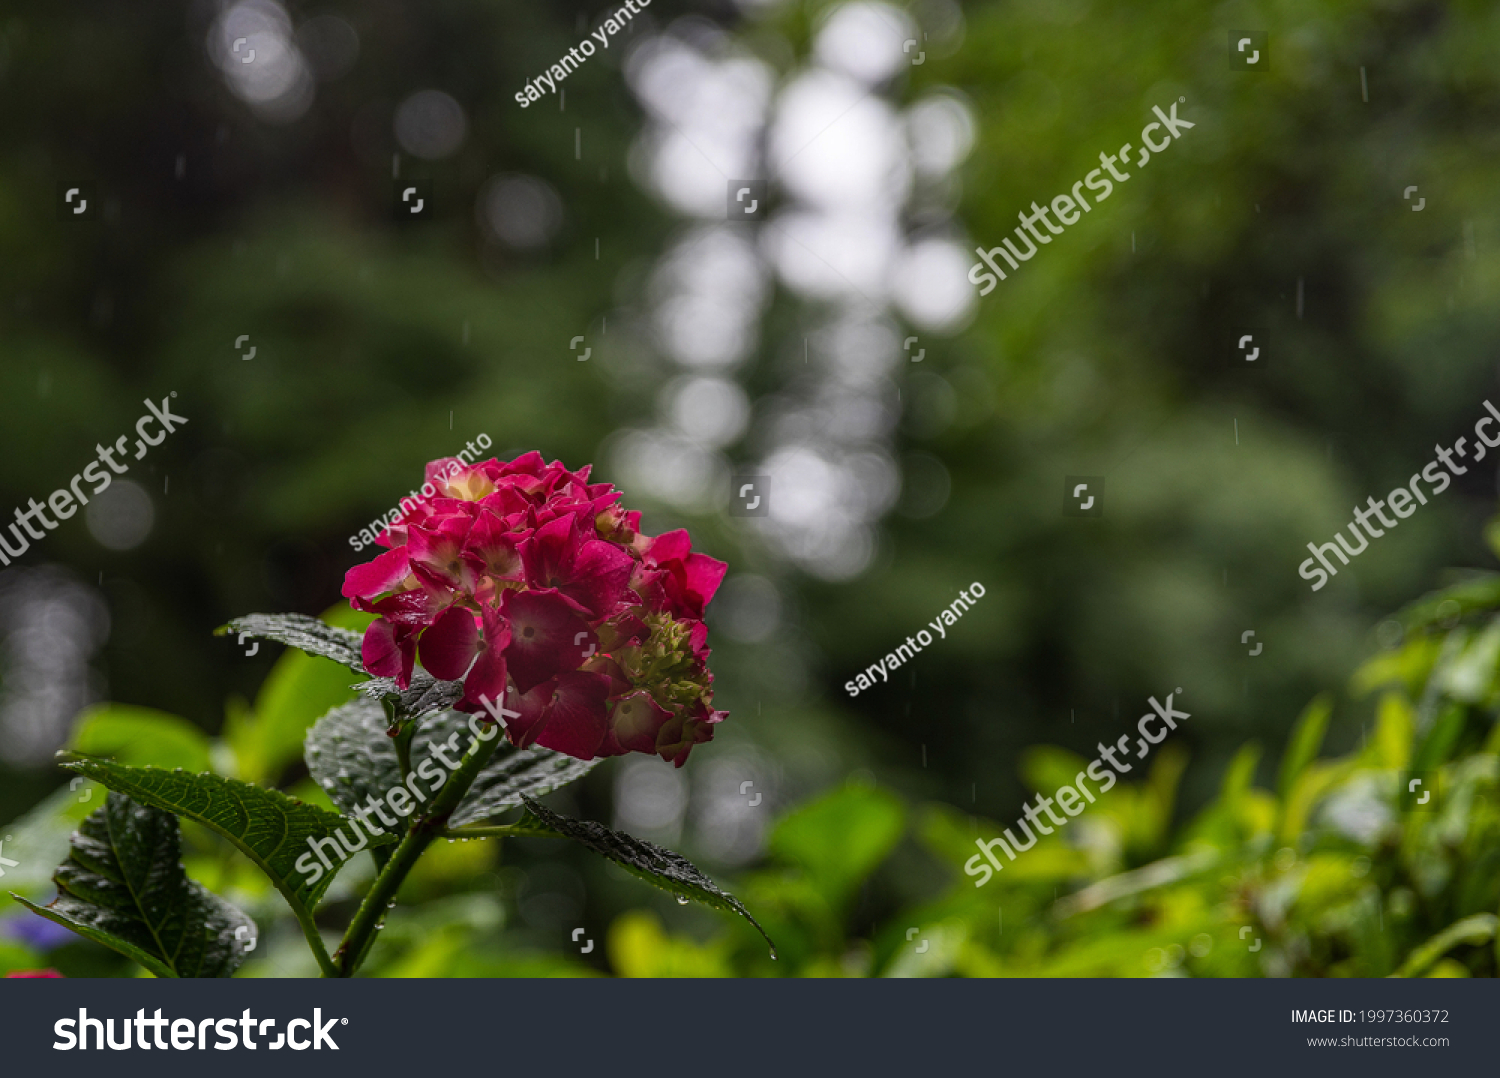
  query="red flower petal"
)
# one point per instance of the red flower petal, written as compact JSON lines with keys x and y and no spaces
{"x":622,"y":631}
{"x":377,"y":577}
{"x":487,"y":679}
{"x":439,"y":470}
{"x":547,"y":637}
{"x":591,"y":572}
{"x":388,"y":651}
{"x":526,"y":464}
{"x":558,"y":570}
{"x":634,"y":722}
{"x":669,"y":546}
{"x":704,"y":575}
{"x":597,"y":576}
{"x":576,"y":718}
{"x":548,"y":552}
{"x":524,"y":727}
{"x":437,"y":553}
{"x":679,"y":734}
{"x":491,"y":547}
{"x":449,"y":645}
{"x":417,"y":607}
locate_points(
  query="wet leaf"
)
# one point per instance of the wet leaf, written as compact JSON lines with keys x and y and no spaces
{"x":353,"y":759}
{"x":667,"y":870}
{"x":426,"y":694}
{"x":123,"y":886}
{"x":267,"y":826}
{"x":300,"y":631}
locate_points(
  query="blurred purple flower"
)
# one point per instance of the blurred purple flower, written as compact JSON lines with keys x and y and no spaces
{"x":38,"y":933}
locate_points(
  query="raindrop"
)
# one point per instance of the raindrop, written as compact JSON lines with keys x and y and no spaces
{"x":681,"y":901}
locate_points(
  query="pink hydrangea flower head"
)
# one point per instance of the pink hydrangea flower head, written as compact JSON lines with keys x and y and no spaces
{"x":536,"y":589}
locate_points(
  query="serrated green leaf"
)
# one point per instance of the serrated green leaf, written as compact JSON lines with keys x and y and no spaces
{"x":303,"y":632}
{"x":424,"y":695}
{"x":267,"y":826}
{"x":123,"y":886}
{"x":663,"y":868}
{"x":352,"y":759}
{"x":350,"y":755}
{"x":140,"y":735}
{"x":513,"y":774}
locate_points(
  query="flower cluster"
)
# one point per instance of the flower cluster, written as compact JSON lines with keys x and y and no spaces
{"x":523,"y":576}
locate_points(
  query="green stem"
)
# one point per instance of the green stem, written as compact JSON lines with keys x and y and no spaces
{"x":371,"y":914}
{"x":405,"y":727}
{"x":403,"y":749}
{"x":315,"y":941}
{"x":370,"y":917}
